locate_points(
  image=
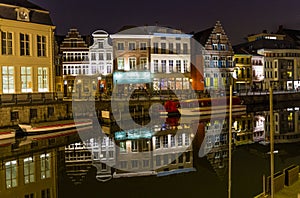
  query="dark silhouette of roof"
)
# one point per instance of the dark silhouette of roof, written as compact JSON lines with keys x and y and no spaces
{"x":252,"y":47}
{"x":203,"y":36}
{"x":7,"y":12}
{"x":291,"y":35}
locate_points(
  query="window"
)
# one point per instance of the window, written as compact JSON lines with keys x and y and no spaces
{"x":185,"y":66}
{"x":123,"y":164}
{"x":132,"y":63}
{"x":166,"y":159}
{"x":11,"y":174}
{"x":101,"y":56}
{"x":134,"y":163}
{"x":171,"y":48}
{"x":178,"y":48}
{"x":33,"y":113}
{"x":50,"y":111}
{"x":179,"y":139}
{"x":215,"y":46}
{"x":31,"y":195}
{"x":155,"y":48}
{"x":164,"y":65}
{"x":157,"y":142}
{"x":42,"y":79}
{"x":120,"y":46}
{"x":6,"y":41}
{"x":108,"y":56}
{"x":170,"y":66}
{"x":120,"y":63}
{"x":26,"y":79}
{"x":155,"y":66}
{"x":187,"y":157}
{"x":134,"y":146}
{"x":131,"y":46}
{"x":186,"y":139}
{"x":163,"y":48}
{"x":158,"y":160}
{"x":93,"y":56}
{"x":29,"y":173}
{"x":165,"y":141}
{"x":145,"y":163}
{"x":143,"y":63}
{"x":45,"y":165}
{"x":14,"y":116}
{"x":178,"y":66}
{"x":143,"y":46}
{"x":122,"y":147}
{"x":185,"y":48}
{"x":8,"y":80}
{"x":41,"y":45}
{"x":172,"y":141}
{"x":100,"y":45}
{"x":24,"y":45}
{"x":46,"y":193}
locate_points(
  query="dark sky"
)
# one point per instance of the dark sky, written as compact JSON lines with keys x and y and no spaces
{"x":239,"y":17}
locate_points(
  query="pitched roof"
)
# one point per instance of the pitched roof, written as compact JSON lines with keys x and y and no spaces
{"x":36,"y":14}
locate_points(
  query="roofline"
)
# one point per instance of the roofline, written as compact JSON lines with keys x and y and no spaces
{"x":14,"y":6}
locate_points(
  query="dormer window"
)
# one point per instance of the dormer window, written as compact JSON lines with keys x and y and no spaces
{"x":22,"y":14}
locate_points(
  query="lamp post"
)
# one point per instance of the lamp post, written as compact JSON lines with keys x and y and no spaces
{"x":271,"y":142}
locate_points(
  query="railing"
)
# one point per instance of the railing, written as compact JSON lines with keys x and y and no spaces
{"x":10,"y":99}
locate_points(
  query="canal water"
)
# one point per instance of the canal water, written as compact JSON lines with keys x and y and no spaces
{"x":171,"y":158}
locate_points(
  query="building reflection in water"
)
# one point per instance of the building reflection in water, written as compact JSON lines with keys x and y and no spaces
{"x":31,"y":166}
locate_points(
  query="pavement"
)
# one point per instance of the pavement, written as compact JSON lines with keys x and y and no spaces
{"x":292,"y":191}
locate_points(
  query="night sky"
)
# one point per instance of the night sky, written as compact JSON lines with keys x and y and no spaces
{"x":238,"y":17}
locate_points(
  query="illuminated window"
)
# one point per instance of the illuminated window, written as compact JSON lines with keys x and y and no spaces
{"x":8,"y":79}
{"x":185,"y":66}
{"x":45,"y":165}
{"x":24,"y":45}
{"x":42,"y":79}
{"x":132,"y":63}
{"x":26,"y":79}
{"x":143,"y":63}
{"x":29,"y":173}
{"x":134,"y":146}
{"x":11,"y":173}
{"x":122,"y":147}
{"x":41,"y":45}
{"x":6,"y":41}
{"x":120,"y":63}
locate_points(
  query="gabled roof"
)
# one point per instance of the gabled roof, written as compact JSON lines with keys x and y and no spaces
{"x":36,"y":14}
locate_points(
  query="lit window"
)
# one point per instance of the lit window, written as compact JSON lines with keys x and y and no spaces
{"x":120,"y":63}
{"x":26,"y":79}
{"x":42,"y":79}
{"x":8,"y":79}
{"x":29,"y":173}
{"x":132,"y":63}
{"x":11,"y":173}
{"x":143,"y":63}
{"x":45,"y":165}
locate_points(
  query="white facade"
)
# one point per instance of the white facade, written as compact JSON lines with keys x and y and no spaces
{"x":101,"y":54}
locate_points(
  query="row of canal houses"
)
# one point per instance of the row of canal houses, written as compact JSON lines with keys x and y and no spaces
{"x":160,"y":59}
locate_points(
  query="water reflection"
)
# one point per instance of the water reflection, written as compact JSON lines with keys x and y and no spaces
{"x":45,"y":166}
